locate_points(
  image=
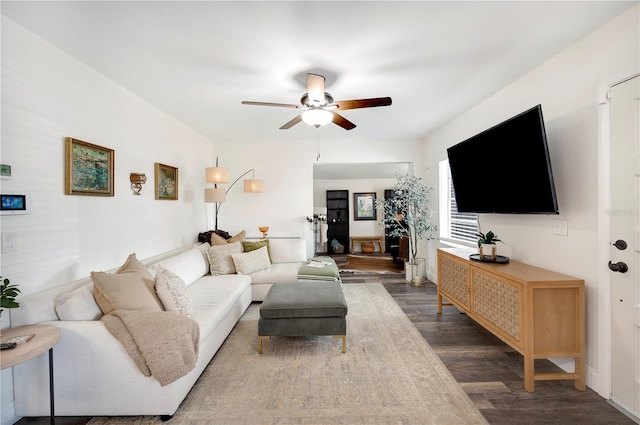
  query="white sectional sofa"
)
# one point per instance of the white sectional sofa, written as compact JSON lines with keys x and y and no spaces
{"x":94,"y":374}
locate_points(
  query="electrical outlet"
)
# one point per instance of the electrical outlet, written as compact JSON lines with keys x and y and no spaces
{"x":9,"y":242}
{"x":560,"y":227}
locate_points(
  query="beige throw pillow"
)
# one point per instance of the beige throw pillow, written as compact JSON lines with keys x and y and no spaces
{"x":172,"y":292}
{"x":220,"y":260}
{"x":237,"y":238}
{"x":252,"y":261}
{"x":216,"y":239}
{"x":131,"y":287}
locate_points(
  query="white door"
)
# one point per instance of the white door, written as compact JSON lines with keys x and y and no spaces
{"x":625,"y":230}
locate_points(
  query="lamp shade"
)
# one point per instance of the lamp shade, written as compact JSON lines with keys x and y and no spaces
{"x":217,"y":175}
{"x":253,"y":186}
{"x":317,"y":117}
{"x":214,"y":195}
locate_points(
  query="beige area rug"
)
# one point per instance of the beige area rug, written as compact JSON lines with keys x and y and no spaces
{"x":371,"y":263}
{"x":389,"y":375}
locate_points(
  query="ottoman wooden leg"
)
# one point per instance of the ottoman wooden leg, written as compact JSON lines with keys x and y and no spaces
{"x":344,"y":342}
{"x":260,"y":338}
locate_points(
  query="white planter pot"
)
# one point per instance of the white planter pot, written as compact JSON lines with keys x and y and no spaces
{"x":415,"y":272}
{"x":488,"y":251}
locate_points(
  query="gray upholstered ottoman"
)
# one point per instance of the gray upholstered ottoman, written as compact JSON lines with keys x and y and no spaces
{"x":303,"y":309}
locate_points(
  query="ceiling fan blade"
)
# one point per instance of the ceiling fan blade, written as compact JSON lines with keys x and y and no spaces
{"x":342,"y":121}
{"x":363,"y":103}
{"x":291,"y":123}
{"x":281,"y":105}
{"x":315,"y":88}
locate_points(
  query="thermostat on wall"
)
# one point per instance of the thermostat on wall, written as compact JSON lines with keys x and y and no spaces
{"x":15,"y":203}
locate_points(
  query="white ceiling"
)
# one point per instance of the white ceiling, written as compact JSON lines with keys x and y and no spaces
{"x":198,"y":60}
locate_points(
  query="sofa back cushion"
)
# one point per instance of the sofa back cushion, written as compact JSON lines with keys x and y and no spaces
{"x":79,"y":304}
{"x":189,"y":265}
{"x":288,"y":250}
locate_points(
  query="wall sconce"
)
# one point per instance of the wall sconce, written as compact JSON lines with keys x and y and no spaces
{"x":137,"y":182}
{"x":220,"y":175}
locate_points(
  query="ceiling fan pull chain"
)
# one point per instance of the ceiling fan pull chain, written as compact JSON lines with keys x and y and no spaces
{"x":318,"y":148}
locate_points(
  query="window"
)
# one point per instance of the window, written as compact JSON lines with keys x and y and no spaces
{"x":454,"y":226}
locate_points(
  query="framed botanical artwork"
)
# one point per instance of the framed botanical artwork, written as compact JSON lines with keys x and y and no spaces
{"x":166,"y":182}
{"x":364,"y":206}
{"x":88,"y":169}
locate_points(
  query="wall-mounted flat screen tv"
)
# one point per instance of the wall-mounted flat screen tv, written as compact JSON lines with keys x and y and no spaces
{"x":505,"y":169}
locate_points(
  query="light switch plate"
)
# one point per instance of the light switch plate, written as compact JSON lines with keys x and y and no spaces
{"x":560,"y":227}
{"x":9,"y":242}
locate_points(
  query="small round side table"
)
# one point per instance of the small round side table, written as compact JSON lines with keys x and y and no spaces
{"x":45,"y":338}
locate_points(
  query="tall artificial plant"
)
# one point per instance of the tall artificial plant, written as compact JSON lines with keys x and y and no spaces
{"x":407,"y":213}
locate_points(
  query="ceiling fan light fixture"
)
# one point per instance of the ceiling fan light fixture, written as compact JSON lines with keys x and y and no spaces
{"x":317,"y":117}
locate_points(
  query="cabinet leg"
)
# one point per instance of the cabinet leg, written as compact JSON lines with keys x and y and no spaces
{"x":529,"y":372}
{"x":439,"y":298}
{"x":580,"y":383}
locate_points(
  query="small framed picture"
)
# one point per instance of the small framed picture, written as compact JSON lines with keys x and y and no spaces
{"x":166,"y":182}
{"x":88,"y":169}
{"x":364,"y":206}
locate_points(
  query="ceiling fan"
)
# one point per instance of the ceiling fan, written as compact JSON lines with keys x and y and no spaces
{"x":319,"y":108}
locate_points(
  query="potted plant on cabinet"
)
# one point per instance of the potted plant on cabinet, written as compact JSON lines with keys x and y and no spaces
{"x":487,"y":245}
{"x":8,"y":294}
{"x":407,"y":215}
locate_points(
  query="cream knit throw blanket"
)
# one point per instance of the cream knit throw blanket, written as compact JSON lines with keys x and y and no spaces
{"x":161,"y":343}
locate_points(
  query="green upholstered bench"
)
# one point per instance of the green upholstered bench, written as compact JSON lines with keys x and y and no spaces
{"x":303,"y":309}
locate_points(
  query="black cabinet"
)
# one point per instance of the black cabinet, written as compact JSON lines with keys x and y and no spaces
{"x":338,"y":221}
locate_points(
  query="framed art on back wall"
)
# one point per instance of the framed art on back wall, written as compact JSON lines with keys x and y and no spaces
{"x":166,"y":183}
{"x":88,"y":169}
{"x":364,"y":206}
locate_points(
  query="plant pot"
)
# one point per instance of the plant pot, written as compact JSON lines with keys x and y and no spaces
{"x":415,"y":272}
{"x":487,"y":251}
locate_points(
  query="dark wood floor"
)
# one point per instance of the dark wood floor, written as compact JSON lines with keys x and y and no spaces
{"x":488,"y":370}
{"x":491,"y":372}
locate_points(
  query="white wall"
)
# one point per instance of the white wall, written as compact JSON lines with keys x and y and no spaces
{"x":289,"y":192}
{"x":567,"y":88}
{"x":47,"y":96}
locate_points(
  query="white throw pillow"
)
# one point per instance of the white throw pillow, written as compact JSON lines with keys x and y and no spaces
{"x":78,"y":305}
{"x":220,"y":258}
{"x":172,"y":292}
{"x":252,"y":261}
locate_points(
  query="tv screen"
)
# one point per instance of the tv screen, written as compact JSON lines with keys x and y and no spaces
{"x":505,"y":169}
{"x":13,"y":202}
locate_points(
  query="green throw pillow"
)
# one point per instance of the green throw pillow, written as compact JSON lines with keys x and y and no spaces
{"x":248,"y":246}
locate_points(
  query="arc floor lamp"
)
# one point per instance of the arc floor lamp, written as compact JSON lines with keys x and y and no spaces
{"x":220,"y":175}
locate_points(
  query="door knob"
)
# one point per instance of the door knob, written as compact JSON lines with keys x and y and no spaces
{"x":620,"y":244}
{"x":618,"y":267}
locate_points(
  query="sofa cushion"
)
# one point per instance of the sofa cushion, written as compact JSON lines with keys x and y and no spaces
{"x":131,"y":287}
{"x":79,"y":304}
{"x":252,"y":261}
{"x":172,"y":291}
{"x":288,"y":250}
{"x":220,"y":259}
{"x":190,"y":265}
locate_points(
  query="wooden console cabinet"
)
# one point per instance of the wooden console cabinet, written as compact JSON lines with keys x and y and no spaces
{"x":539,"y":313}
